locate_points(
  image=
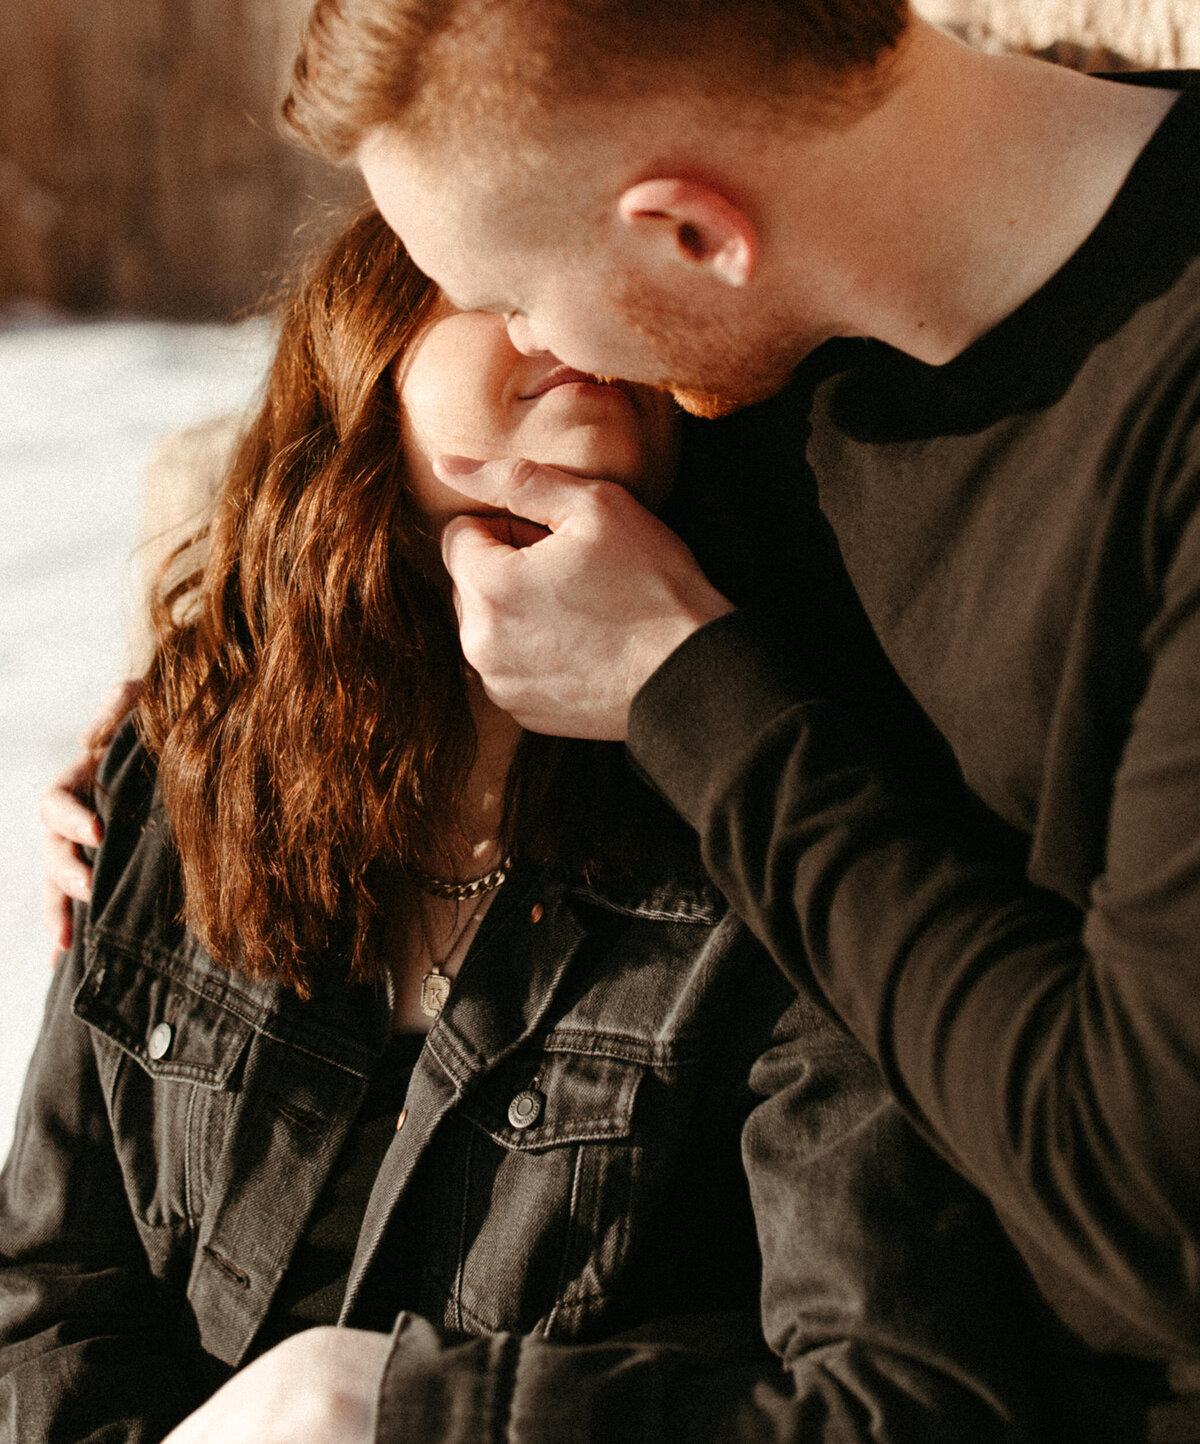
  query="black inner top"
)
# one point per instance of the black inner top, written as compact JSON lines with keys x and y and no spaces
{"x":314,"y":1285}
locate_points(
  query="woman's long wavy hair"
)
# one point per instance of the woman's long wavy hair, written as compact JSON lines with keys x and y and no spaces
{"x":307,"y":701}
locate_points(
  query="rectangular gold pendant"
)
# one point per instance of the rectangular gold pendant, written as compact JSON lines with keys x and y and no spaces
{"x":435,"y":989}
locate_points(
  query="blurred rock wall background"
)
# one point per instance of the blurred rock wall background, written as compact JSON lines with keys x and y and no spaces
{"x":141,"y":171}
{"x":1090,"y":34}
{"x":140,"y":168}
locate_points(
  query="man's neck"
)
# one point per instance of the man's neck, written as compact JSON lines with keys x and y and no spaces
{"x":938,"y":215}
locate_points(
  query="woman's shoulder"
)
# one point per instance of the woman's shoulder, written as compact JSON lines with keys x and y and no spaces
{"x":135,"y":860}
{"x":125,"y":779}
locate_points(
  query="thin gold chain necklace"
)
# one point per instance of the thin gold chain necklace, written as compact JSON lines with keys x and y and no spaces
{"x":435,"y":985}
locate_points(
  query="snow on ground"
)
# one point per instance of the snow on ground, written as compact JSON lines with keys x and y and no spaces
{"x":82,"y":406}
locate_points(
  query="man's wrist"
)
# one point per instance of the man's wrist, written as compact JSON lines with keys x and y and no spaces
{"x":697,"y":712}
{"x":662,"y":642}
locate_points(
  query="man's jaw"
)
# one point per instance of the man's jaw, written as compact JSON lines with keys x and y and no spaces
{"x":708,"y":405}
{"x":712,"y":405}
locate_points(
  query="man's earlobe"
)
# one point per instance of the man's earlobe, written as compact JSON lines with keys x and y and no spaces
{"x":695,"y":224}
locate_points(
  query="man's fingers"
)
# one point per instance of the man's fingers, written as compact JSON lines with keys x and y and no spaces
{"x":65,"y":869}
{"x":119,"y":698}
{"x":515,"y":531}
{"x":70,"y":823}
{"x":63,"y":813}
{"x":56,"y":918}
{"x":541,"y":494}
{"x":467,"y":540}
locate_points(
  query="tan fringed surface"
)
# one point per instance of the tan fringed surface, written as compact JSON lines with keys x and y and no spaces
{"x":181,"y":484}
{"x":1150,"y":33}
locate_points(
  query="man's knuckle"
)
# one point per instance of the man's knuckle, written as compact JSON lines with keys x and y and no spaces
{"x":607,"y":501}
{"x":473,"y":640}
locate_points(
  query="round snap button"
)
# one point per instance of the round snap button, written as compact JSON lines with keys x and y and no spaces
{"x":526,"y":1108}
{"x":160,"y":1041}
{"x":537,"y":913}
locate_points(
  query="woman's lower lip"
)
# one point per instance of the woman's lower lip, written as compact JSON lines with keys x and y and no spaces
{"x":593,"y":388}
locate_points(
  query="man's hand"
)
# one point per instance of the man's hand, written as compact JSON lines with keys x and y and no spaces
{"x":70,"y":824}
{"x":564,"y":632}
{"x":318,"y":1387}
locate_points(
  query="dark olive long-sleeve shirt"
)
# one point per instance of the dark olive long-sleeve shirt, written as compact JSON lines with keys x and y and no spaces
{"x":1022,"y":529}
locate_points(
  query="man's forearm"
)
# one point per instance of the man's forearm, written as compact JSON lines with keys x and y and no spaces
{"x":971,"y":988}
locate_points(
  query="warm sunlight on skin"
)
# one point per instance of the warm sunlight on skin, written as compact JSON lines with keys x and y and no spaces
{"x":495,"y":255}
{"x":488,"y":253}
{"x":465,"y":390}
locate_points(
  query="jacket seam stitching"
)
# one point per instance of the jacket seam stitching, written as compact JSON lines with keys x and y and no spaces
{"x":225,"y":999}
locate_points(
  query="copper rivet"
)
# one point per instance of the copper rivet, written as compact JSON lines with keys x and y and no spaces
{"x":536,"y":915}
{"x":400,"y":1120}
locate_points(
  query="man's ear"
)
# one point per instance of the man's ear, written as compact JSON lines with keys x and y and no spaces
{"x":697,"y":223}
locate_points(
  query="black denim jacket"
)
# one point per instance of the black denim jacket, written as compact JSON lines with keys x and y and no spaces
{"x":715,"y":1169}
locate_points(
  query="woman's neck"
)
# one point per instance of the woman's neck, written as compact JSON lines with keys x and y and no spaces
{"x":436,"y":934}
{"x":481,"y":816}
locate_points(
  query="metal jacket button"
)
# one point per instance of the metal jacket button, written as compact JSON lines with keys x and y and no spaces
{"x":526,"y":1108}
{"x":160,"y":1041}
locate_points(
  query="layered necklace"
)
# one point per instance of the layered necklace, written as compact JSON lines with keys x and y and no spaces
{"x":435,"y":985}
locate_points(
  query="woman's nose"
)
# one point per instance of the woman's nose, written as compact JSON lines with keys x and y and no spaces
{"x":522,"y":336}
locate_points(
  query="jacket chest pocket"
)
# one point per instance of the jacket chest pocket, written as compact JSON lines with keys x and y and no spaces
{"x":167,"y":1056}
{"x":528,"y":1216}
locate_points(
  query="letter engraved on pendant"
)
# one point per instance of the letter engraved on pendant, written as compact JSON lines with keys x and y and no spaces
{"x":435,"y":989}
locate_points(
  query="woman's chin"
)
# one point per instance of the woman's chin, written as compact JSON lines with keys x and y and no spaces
{"x":648,"y":479}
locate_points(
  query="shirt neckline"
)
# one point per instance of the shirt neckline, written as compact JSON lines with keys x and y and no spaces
{"x":1146,"y":212}
{"x":1136,"y":251}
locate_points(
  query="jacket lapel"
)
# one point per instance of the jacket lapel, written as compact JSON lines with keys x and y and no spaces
{"x":530,"y":935}
{"x":303,"y":1085}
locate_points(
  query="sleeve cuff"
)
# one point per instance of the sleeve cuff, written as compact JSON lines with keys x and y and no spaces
{"x":457,"y":1393}
{"x":699,"y":713}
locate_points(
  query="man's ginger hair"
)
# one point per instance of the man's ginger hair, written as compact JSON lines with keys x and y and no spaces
{"x":491,"y":73}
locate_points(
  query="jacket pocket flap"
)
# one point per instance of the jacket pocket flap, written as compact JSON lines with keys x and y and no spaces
{"x":168,"y":1028}
{"x":534,"y":1102}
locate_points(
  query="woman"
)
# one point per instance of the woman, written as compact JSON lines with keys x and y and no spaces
{"x":383,"y":1013}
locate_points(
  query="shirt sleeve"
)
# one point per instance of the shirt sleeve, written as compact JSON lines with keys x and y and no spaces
{"x":892,"y":1308}
{"x":1050,"y":1052}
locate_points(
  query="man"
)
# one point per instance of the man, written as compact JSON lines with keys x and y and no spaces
{"x":1005,"y":444}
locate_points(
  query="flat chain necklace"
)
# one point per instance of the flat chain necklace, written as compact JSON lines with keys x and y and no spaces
{"x":461,"y":891}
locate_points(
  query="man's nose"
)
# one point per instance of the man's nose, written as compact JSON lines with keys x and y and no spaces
{"x":522,"y":336}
